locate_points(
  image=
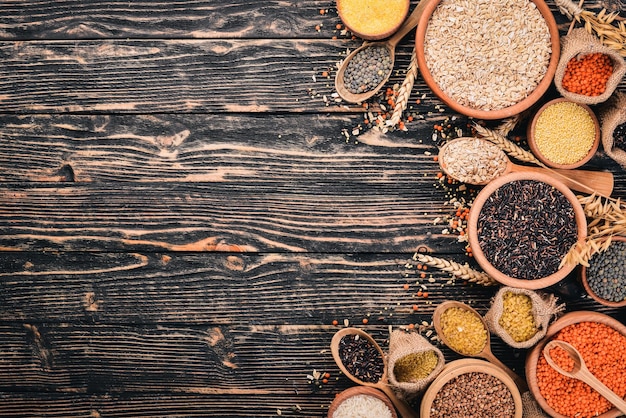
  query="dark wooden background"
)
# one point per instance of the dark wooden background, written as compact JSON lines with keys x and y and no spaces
{"x":182,"y":216}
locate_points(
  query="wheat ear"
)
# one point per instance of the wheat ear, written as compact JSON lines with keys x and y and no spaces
{"x":459,"y":270}
{"x":507,"y":146}
{"x":404,"y":93}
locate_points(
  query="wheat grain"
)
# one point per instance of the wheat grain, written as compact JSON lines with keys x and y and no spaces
{"x":507,"y":146}
{"x":404,"y":93}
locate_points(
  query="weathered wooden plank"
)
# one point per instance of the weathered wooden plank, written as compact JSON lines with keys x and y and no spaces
{"x":37,"y":405}
{"x":300,"y":148}
{"x":229,"y":289}
{"x":322,"y":216}
{"x":74,"y":19}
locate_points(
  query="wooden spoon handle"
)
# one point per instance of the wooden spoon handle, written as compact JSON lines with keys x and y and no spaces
{"x":408,"y":25}
{"x":586,"y":181}
{"x":585,"y":375}
{"x":403,"y":408}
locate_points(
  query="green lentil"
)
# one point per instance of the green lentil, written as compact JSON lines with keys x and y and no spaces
{"x":517,"y":317}
{"x":606,"y":274}
{"x":564,"y":132}
{"x":464,"y":331}
{"x":415,"y":366}
{"x":367,"y":69}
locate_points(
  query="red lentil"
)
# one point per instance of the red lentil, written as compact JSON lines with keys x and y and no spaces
{"x":604,"y":351}
{"x":588,"y":74}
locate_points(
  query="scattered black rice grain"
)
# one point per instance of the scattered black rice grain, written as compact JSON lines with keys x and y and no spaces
{"x":525,"y":228}
{"x":361,"y":358}
{"x":367,"y":69}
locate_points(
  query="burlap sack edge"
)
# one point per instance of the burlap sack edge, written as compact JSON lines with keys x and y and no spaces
{"x":407,"y":390}
{"x":591,"y":44}
{"x":611,"y":114}
{"x":495,"y":328}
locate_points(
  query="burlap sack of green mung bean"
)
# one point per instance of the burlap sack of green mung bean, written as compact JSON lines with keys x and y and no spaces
{"x":579,"y":43}
{"x":611,"y":114}
{"x":544,"y":308}
{"x":413,"y":362}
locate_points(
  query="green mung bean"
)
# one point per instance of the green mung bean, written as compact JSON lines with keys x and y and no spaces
{"x":367,"y":69}
{"x":606,"y":274}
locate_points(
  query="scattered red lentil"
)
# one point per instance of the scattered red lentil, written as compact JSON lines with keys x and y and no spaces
{"x":415,"y":307}
{"x":406,"y":286}
{"x":588,"y":75}
{"x":365,"y":321}
{"x":335,"y":322}
{"x":604,"y":352}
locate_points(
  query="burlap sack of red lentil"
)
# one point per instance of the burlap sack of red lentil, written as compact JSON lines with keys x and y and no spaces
{"x":544,"y":309}
{"x":611,"y":114}
{"x":401,"y":344}
{"x":579,"y":43}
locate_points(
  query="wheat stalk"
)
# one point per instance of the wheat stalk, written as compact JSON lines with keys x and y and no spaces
{"x":507,"y":146}
{"x":607,"y":219}
{"x":404,"y":93}
{"x":459,"y":270}
{"x":601,"y":24}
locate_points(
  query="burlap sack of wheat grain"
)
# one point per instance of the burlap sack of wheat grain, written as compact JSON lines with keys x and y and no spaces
{"x":401,"y":344}
{"x":611,"y":114}
{"x":544,"y":309}
{"x":579,"y":43}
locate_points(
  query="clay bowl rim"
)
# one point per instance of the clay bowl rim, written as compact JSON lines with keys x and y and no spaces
{"x":506,"y":112}
{"x":591,"y":293}
{"x":467,"y":365}
{"x":533,"y":144}
{"x":472,"y":227}
{"x":360,"y":390}
{"x":379,"y":36}
{"x":532,"y":357}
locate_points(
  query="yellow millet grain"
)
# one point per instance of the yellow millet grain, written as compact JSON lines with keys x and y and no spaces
{"x":372,"y":17}
{"x":517,"y":317}
{"x":564,"y":132}
{"x":464,"y":331}
{"x":415,"y":366}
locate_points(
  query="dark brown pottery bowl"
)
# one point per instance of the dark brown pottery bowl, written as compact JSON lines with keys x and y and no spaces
{"x":532,"y":143}
{"x":481,"y":259}
{"x":533,"y":356}
{"x":467,"y":365}
{"x":590,"y":292}
{"x":360,"y":390}
{"x":506,"y":112}
{"x":386,"y":29}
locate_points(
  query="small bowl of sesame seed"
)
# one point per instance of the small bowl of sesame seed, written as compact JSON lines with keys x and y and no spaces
{"x":488,"y":59}
{"x":564,"y":134}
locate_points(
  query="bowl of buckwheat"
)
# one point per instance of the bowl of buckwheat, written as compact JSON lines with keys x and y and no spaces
{"x":488,"y":59}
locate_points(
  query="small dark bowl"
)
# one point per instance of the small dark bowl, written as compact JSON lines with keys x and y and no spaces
{"x":590,"y":292}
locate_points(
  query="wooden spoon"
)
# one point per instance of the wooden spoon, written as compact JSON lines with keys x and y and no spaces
{"x":485,"y":353}
{"x":403,"y":408}
{"x":390,"y":44}
{"x":581,"y":372}
{"x":600,"y":182}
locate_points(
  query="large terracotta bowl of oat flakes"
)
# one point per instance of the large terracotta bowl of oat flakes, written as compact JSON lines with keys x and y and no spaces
{"x":488,"y":59}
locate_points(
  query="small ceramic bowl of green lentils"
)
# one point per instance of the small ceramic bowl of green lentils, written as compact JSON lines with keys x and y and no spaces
{"x":605,"y":278}
{"x":564,"y":134}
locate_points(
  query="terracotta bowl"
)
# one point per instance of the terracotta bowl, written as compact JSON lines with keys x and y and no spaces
{"x":532,"y":143}
{"x":583,"y":279}
{"x":533,"y":356}
{"x":355,"y":23}
{"x":515,"y":109}
{"x":360,"y":390}
{"x":468,"y":365}
{"x":481,"y":259}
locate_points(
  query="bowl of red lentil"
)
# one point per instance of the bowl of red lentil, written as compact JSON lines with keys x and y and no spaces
{"x":601,"y":341}
{"x":564,"y":134}
{"x":488,"y":59}
{"x":471,"y":387}
{"x":605,"y":278}
{"x":521,"y":226}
